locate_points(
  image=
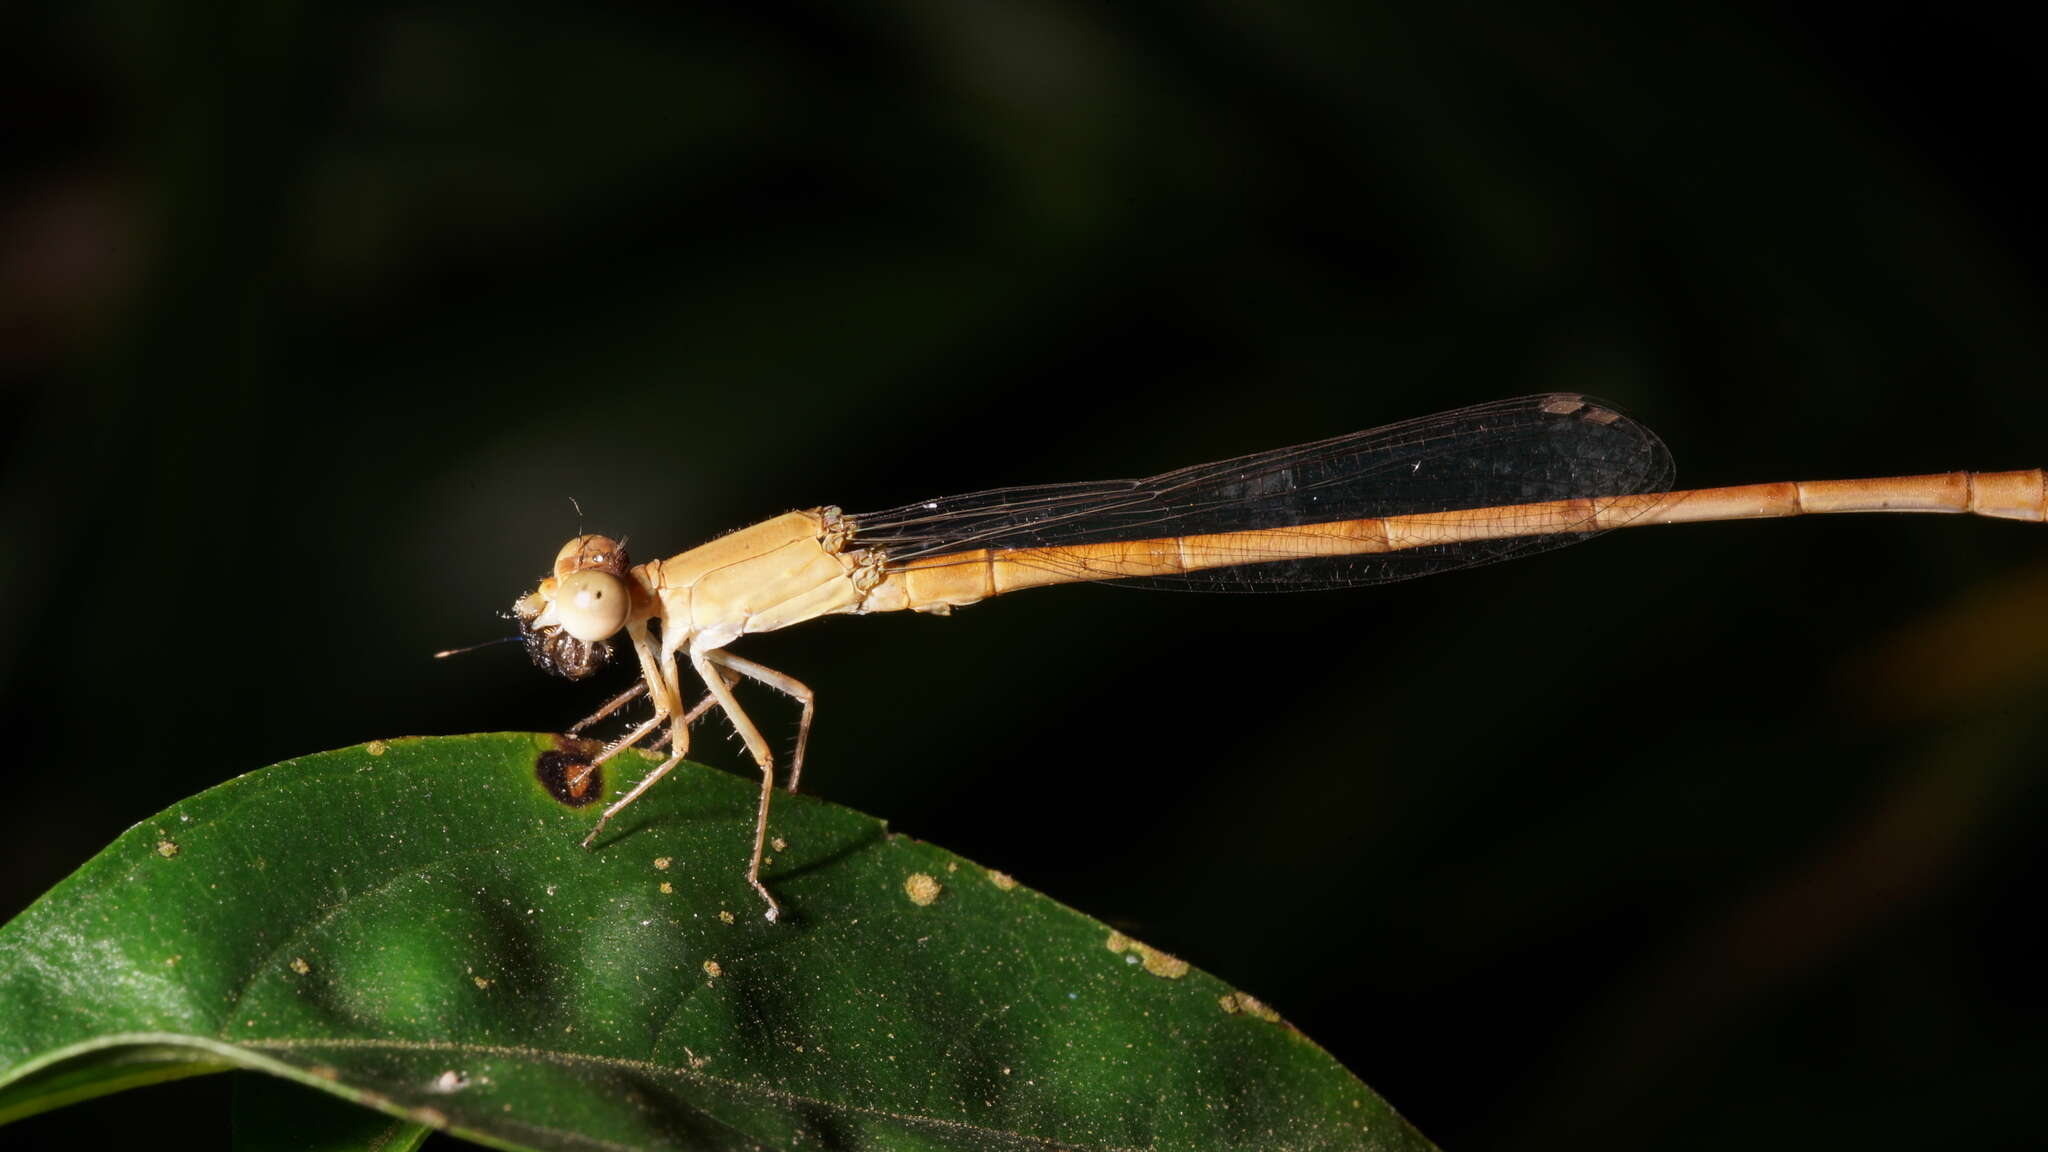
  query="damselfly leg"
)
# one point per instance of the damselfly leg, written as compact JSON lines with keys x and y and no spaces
{"x":787,"y":685}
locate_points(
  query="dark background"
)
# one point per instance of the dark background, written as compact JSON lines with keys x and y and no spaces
{"x":314,"y":317}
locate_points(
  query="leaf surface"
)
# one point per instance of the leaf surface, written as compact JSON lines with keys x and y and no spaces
{"x":412,"y":925}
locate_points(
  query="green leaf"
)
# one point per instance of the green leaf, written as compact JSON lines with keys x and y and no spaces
{"x":412,"y":926}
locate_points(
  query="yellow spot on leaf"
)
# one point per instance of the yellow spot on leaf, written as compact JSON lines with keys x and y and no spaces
{"x":667,"y":888}
{"x":1156,"y":962}
{"x":1239,"y":1002}
{"x":712,"y":969}
{"x":375,"y":747}
{"x":725,"y":916}
{"x":167,"y":848}
{"x":1002,"y":880}
{"x":661,"y":862}
{"x":300,"y":966}
{"x":921,"y":889}
{"x":1161,"y":964}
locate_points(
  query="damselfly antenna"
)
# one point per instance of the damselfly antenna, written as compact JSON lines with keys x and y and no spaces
{"x":444,"y":653}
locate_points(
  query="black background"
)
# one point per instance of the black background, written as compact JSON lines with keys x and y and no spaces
{"x":313,"y":317}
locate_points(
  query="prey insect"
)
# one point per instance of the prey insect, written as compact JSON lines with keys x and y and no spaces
{"x":1443,"y":492}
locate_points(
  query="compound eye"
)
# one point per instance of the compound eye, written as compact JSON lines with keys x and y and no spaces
{"x":600,"y":552}
{"x":591,"y":605}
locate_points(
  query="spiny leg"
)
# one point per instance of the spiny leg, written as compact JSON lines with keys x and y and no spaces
{"x":625,"y":698}
{"x":630,"y":739}
{"x":787,"y":685}
{"x":637,"y":734}
{"x":617,"y":702}
{"x":659,"y":671}
{"x":645,"y":783}
{"x":714,"y":679}
{"x":652,"y":681}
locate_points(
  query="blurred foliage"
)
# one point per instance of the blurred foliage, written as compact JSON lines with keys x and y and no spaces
{"x":313,"y":317}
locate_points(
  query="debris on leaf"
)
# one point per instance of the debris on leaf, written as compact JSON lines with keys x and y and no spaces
{"x":1239,"y":1002}
{"x":1158,"y":963}
{"x":922,"y":889}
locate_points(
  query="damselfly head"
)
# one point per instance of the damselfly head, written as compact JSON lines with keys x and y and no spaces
{"x":568,"y":621}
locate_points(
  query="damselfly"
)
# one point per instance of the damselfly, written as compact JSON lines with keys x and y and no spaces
{"x":1449,"y":491}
